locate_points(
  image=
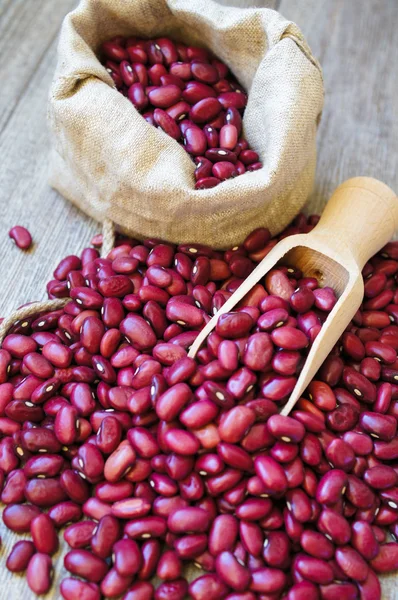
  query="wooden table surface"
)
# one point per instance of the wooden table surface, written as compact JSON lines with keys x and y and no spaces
{"x":356,"y":43}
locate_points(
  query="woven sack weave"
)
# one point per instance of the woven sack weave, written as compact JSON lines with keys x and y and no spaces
{"x":112,"y":164}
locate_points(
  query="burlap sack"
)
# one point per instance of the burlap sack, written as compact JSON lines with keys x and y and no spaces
{"x":111,"y":163}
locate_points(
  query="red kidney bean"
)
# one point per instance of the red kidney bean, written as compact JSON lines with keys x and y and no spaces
{"x":386,"y":450}
{"x":182,"y":442}
{"x":173,"y":590}
{"x":331,"y":487}
{"x":351,"y":563}
{"x":66,"y":426}
{"x":317,"y":545}
{"x":188,"y":520}
{"x":73,"y":588}
{"x":170,"y":404}
{"x":231,"y":572}
{"x":38,"y":365}
{"x":207,"y":586}
{"x":146,"y":527}
{"x":105,"y":535}
{"x":267,"y":580}
{"x":85,"y":564}
{"x":381,"y":477}
{"x":235,"y":423}
{"x":271,"y":474}
{"x":224,"y":170}
{"x":119,"y":462}
{"x":276,"y":549}
{"x":190,"y":546}
{"x":205,"y":110}
{"x":284,"y":452}
{"x":74,"y":486}
{"x":277,"y":387}
{"x":44,"y":492}
{"x":289,"y":338}
{"x":58,"y":355}
{"x":142,"y":590}
{"x":359,"y":493}
{"x":44,"y":535}
{"x":387,"y":558}
{"x":39,"y":573}
{"x":169,"y":566}
{"x":110,"y":342}
{"x":303,"y":590}
{"x":79,"y":535}
{"x":340,"y":454}
{"x":258,"y":351}
{"x":65,"y":512}
{"x":20,"y":555}
{"x":379,"y":426}
{"x":21,"y":236}
{"x":19,"y":517}
{"x":286,"y":429}
{"x":361,"y":443}
{"x":138,"y":332}
{"x":137,"y":96}
{"x":127,"y":557}
{"x":364,"y":540}
{"x":18,"y":345}
{"x":314,"y":569}
{"x":334,"y":526}
{"x":223,"y":534}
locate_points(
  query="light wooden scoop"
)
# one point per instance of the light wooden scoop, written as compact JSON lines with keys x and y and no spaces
{"x":359,"y":219}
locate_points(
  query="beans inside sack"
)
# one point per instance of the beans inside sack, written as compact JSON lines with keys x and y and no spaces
{"x":190,"y":95}
{"x":148,"y":462}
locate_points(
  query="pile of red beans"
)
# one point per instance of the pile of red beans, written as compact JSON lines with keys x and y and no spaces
{"x":174,"y":462}
{"x":191,"y":96}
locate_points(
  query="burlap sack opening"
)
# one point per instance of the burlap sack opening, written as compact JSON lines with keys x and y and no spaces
{"x":112,"y":164}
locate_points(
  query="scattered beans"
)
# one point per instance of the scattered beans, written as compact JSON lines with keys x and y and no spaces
{"x":173,"y":460}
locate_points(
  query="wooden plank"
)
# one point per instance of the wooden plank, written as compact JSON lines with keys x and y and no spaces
{"x":27,"y":28}
{"x":25,"y":197}
{"x":355,"y":43}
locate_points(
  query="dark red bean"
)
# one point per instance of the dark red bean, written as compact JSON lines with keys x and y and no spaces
{"x":364,"y":540}
{"x":44,"y":492}
{"x":316,"y":570}
{"x":20,"y":555}
{"x":335,"y":527}
{"x":286,"y":429}
{"x":85,"y":564}
{"x":18,"y":517}
{"x":271,"y":474}
{"x":351,"y":563}
{"x":39,"y":573}
{"x":44,"y":535}
{"x":21,"y":236}
{"x":79,"y":535}
{"x":73,"y":588}
{"x":387,"y":559}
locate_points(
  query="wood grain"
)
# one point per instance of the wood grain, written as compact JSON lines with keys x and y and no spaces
{"x":356,"y":44}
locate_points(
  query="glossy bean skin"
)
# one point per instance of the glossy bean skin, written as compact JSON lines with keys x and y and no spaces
{"x":198,"y":104}
{"x":175,"y":460}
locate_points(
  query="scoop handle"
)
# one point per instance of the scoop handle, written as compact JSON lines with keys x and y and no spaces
{"x":362,"y":214}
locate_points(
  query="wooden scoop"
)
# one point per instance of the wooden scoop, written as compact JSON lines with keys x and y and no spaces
{"x":359,"y":219}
